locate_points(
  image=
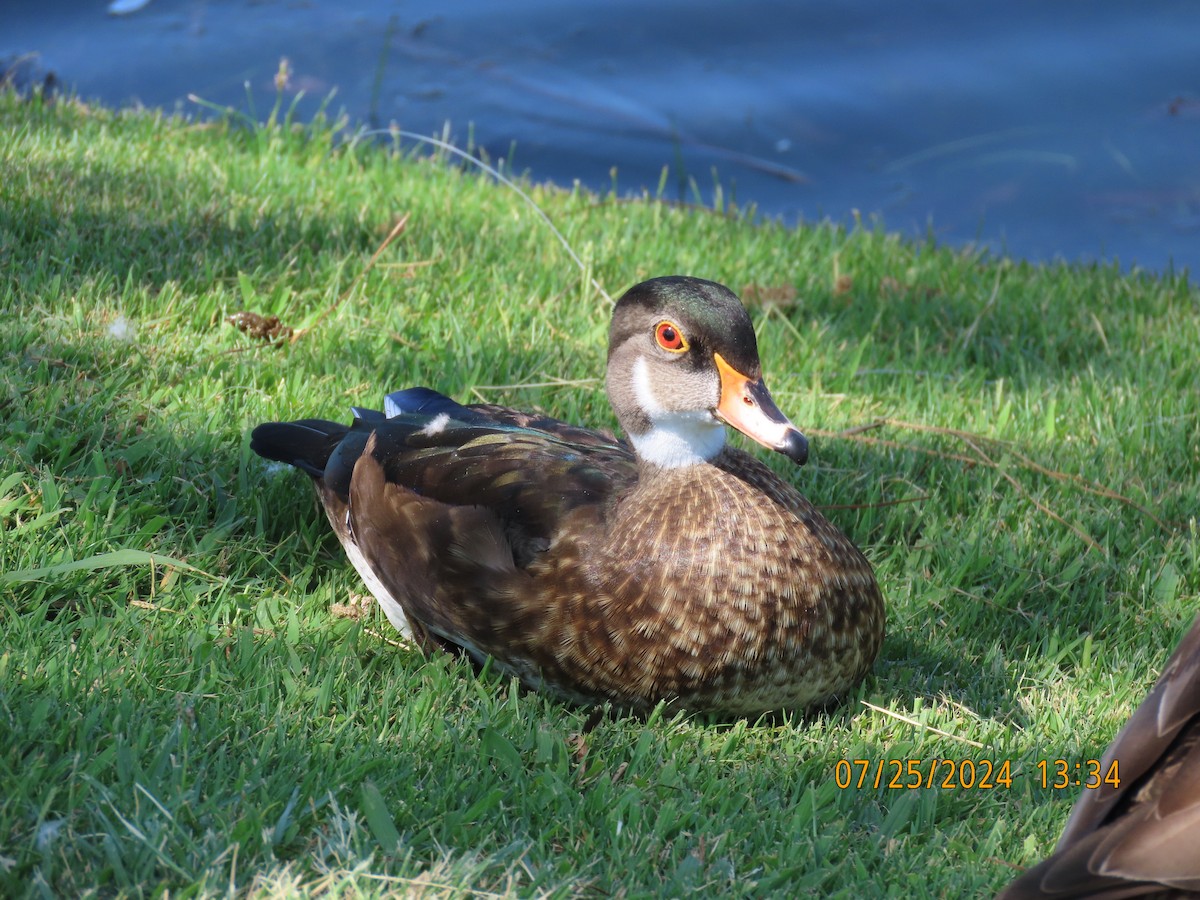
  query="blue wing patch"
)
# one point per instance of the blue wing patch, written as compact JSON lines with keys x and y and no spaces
{"x":427,"y":403}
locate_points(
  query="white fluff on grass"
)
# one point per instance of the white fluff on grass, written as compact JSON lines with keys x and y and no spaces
{"x":121,"y":329}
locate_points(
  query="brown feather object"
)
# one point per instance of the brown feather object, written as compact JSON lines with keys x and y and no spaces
{"x":1141,"y":838}
{"x":669,"y":568}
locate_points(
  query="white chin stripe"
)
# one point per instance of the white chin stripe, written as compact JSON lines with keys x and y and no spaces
{"x":674,"y":441}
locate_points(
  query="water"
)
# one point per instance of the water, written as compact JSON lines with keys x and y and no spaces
{"x":1040,"y":129}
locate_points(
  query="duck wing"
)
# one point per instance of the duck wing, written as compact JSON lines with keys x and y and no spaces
{"x":529,"y":470}
{"x":1142,"y":837}
{"x":433,"y":498}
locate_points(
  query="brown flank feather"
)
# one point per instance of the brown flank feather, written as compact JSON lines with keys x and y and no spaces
{"x":1141,"y":839}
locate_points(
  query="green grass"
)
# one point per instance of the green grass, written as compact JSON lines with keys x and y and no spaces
{"x":182,"y":709}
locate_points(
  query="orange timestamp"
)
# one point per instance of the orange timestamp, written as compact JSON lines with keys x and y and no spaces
{"x":970,"y":774}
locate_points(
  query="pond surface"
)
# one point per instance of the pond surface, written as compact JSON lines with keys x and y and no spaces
{"x":1040,"y":129}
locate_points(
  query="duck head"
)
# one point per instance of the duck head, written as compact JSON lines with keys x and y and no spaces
{"x":682,"y":364}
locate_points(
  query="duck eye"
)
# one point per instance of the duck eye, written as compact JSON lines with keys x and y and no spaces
{"x":669,"y":337}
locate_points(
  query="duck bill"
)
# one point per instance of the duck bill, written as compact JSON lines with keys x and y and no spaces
{"x":746,"y":405}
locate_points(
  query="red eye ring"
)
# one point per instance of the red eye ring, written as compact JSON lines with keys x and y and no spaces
{"x":669,"y":337}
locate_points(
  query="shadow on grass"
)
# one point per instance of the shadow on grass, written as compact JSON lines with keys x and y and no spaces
{"x":203,"y":497}
{"x":97,"y":232}
{"x":188,"y":489}
{"x":207,"y":480}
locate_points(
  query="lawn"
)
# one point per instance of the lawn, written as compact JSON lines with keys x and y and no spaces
{"x":195,"y":700}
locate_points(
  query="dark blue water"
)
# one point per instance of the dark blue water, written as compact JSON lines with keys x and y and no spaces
{"x":1040,"y":129}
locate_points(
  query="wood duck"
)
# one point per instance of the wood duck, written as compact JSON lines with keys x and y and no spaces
{"x":1139,"y":837}
{"x":671,"y":568}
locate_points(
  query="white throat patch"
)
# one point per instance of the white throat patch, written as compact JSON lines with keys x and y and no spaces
{"x":675,"y":439}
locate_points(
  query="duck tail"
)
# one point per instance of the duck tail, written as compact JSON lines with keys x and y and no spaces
{"x":306,"y":444}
